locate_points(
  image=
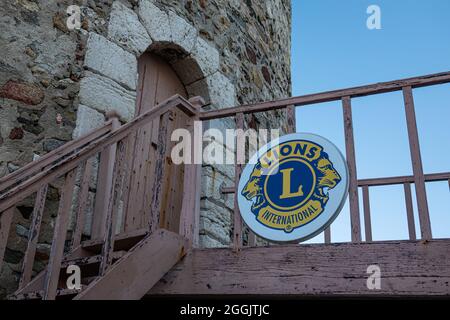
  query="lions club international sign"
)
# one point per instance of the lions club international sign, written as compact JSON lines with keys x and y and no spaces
{"x":293,"y":187}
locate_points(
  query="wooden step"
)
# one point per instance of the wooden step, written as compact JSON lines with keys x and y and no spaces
{"x":133,"y":276}
{"x":39,"y":294}
{"x":85,"y":281}
{"x":90,"y":260}
{"x":123,"y":241}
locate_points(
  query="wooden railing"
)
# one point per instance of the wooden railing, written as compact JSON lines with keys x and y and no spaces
{"x":345,"y":96}
{"x":112,"y":147}
{"x":111,"y":144}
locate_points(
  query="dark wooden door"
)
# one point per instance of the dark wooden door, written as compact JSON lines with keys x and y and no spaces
{"x":157,"y":82}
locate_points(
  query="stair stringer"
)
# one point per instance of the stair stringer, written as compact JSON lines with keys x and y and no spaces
{"x":139,"y":270}
{"x":37,"y":283}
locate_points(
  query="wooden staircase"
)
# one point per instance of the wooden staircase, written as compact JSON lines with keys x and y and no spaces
{"x":118,"y":261}
{"x":139,"y":261}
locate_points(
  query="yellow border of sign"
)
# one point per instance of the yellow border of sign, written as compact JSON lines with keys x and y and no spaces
{"x":301,"y":203}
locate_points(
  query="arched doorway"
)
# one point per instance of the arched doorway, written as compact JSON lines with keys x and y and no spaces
{"x":157,"y":82}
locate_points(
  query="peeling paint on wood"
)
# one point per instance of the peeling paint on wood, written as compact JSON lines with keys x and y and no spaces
{"x":407,"y":268}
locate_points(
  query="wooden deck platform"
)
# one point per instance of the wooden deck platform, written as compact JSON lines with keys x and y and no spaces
{"x":408,"y":268}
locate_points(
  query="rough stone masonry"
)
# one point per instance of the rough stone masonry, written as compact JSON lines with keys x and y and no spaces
{"x":51,"y":82}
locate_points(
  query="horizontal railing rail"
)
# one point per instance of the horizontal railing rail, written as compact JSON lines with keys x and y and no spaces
{"x":431,"y":177}
{"x":372,"y":182}
{"x":53,"y":157}
{"x":335,"y":95}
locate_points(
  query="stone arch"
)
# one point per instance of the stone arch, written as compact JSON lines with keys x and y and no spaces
{"x":111,"y":63}
{"x":111,"y":79}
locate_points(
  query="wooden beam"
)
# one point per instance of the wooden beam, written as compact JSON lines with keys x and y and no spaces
{"x":377,"y":88}
{"x":190,"y":210}
{"x":314,"y":269}
{"x":251,"y":239}
{"x":419,"y":179}
{"x":443,"y":176}
{"x":105,"y":182}
{"x":33,"y":235}
{"x":83,"y":200}
{"x":49,"y":158}
{"x":290,"y":117}
{"x":137,"y":272}
{"x":161,"y":162}
{"x":237,"y":224}
{"x":113,"y":206}
{"x":327,"y":234}
{"x":5,"y":225}
{"x":409,"y":211}
{"x":123,"y":241}
{"x":367,"y":218}
{"x":129,"y":222}
{"x":351,"y":162}
{"x":59,"y":237}
{"x":140,"y":183}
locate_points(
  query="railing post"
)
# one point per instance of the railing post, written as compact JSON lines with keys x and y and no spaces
{"x":419,"y":179}
{"x":5,"y":225}
{"x":290,"y":115}
{"x":367,"y":219}
{"x":353,"y":181}
{"x":409,"y":211}
{"x":155,"y":208}
{"x":83,"y":200}
{"x":113,"y":206}
{"x":237,"y":226}
{"x":190,"y":210}
{"x":59,"y":237}
{"x":327,"y":234}
{"x":104,"y":184}
{"x":128,"y":216}
{"x":33,"y":235}
{"x":251,"y":238}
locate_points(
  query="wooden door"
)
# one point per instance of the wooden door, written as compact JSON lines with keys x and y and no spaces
{"x":157,"y":82}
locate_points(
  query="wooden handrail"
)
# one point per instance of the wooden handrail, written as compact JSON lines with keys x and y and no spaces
{"x":335,"y":95}
{"x":72,"y":160}
{"x":431,"y":177}
{"x":29,"y":179}
{"x":443,"y":176}
{"x":115,"y":140}
{"x":53,"y":156}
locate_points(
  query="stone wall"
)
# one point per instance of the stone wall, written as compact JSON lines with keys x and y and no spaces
{"x":253,"y":39}
{"x":55,"y":83}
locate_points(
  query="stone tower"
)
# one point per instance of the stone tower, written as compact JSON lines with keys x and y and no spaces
{"x":57,"y":84}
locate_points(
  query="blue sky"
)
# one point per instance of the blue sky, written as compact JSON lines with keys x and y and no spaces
{"x":331,"y":49}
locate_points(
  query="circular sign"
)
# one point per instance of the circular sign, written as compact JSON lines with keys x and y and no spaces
{"x":293,"y":187}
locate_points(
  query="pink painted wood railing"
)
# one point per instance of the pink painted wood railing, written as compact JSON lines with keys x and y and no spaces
{"x":108,"y":145}
{"x":345,"y":95}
